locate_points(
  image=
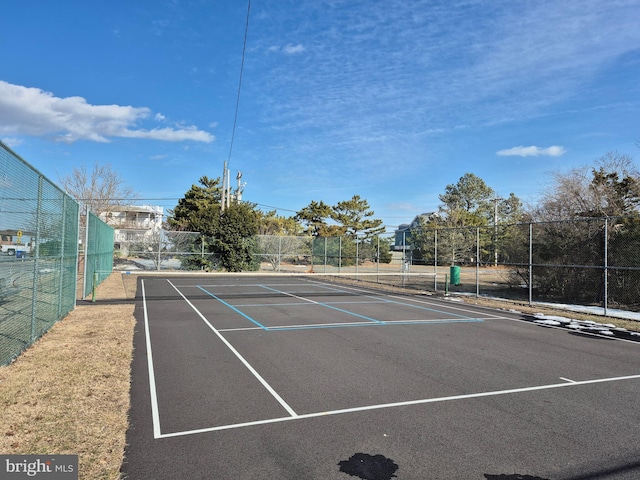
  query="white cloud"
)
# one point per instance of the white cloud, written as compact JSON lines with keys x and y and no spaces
{"x":289,"y":49}
{"x":379,"y":66}
{"x":532,"y":151}
{"x":11,"y":141}
{"x":293,"y":49}
{"x":34,"y":112}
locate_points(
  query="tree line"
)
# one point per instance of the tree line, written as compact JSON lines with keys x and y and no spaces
{"x":608,"y":188}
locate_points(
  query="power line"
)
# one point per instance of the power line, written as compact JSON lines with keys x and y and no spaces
{"x":226,"y":189}
{"x":235,"y":117}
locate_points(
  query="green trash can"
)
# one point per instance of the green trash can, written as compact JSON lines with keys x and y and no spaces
{"x":454,"y":271}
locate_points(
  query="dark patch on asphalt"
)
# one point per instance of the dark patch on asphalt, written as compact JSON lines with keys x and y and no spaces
{"x":514,"y":476}
{"x":369,"y":467}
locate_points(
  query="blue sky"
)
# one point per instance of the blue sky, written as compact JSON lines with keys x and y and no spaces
{"x":390,"y":100}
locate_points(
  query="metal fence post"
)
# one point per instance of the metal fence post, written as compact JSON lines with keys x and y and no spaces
{"x":63,"y":236}
{"x":435,"y":259}
{"x":159,"y":249}
{"x":477,"y":262}
{"x":202,"y":253}
{"x":85,"y":250}
{"x":606,"y":266}
{"x":530,"y":263}
{"x":378,"y":257}
{"x":404,"y":251}
{"x":34,"y":296}
{"x":77,"y":247}
{"x":279,"y":252}
{"x":357,"y":253}
{"x":325,"y":254}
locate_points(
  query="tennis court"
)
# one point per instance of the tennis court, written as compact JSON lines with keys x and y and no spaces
{"x":304,"y":377}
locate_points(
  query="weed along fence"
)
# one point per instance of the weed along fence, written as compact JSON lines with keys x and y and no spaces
{"x":39,"y":228}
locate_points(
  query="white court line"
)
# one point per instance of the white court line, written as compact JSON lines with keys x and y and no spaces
{"x":317,"y":326}
{"x":567,"y":380}
{"x":152,"y":378}
{"x":399,"y":404}
{"x":309,"y":326}
{"x":240,"y":357}
{"x":441,"y":305}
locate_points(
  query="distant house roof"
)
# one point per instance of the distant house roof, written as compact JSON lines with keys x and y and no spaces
{"x":403,"y":232}
{"x":427,"y":217}
{"x":137,"y":208}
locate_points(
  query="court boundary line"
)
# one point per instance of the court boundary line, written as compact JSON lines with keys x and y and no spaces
{"x":322,"y":304}
{"x":294,"y":416}
{"x":354,"y":324}
{"x":369,"y":320}
{"x":155,"y":414}
{"x":566,"y":384}
{"x":226,"y":304}
{"x":265,"y":384}
{"x":369,"y":294}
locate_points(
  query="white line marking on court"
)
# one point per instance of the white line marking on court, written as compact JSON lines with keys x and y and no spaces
{"x":445,"y":305}
{"x":316,"y":326}
{"x":439,"y":305}
{"x":155,"y":416}
{"x":567,"y":380}
{"x":240,"y":329}
{"x":290,"y":295}
{"x":399,"y":404}
{"x":323,"y":304}
{"x":305,"y":325}
{"x":237,"y":354}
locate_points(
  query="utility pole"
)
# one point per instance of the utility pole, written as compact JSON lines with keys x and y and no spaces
{"x":238,"y":194}
{"x":226,"y":195}
{"x":495,"y":230}
{"x":224,"y":187}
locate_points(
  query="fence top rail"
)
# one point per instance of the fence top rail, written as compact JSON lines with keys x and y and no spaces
{"x":526,"y":224}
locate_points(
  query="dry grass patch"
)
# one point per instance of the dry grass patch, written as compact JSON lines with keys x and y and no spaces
{"x":69,"y":392}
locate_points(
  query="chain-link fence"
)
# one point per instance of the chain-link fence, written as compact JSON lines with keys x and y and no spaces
{"x":370,"y":259}
{"x":98,"y":253}
{"x":39,"y":226}
{"x":591,"y":262}
{"x":172,"y":250}
{"x":587,"y":262}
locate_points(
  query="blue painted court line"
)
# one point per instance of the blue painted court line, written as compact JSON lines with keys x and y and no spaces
{"x":307,"y":303}
{"x":233,"y":308}
{"x":369,"y":321}
{"x":323,"y":304}
{"x":317,"y":326}
{"x":411,"y":305}
{"x":380,"y":324}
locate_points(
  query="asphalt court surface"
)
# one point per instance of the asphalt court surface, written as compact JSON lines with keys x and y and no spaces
{"x":268,"y":377}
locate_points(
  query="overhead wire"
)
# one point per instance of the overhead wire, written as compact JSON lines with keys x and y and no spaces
{"x":244,"y":49}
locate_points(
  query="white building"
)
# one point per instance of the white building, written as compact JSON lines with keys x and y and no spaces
{"x":134,"y":225}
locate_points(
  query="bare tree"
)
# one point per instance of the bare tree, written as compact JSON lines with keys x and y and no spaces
{"x":100,"y":189}
{"x":609,"y":187}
